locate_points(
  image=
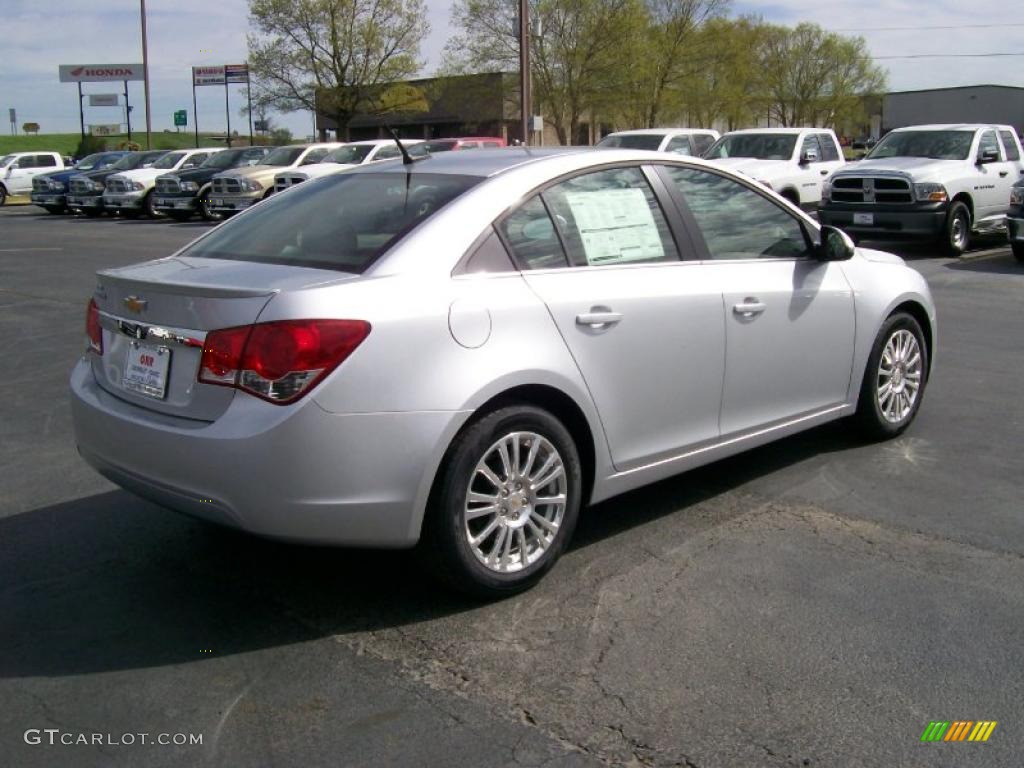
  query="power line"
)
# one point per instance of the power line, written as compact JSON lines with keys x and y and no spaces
{"x":918,"y":29}
{"x":947,"y":56}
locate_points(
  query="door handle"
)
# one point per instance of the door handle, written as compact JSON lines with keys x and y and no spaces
{"x":824,"y":173}
{"x":749,"y":308}
{"x":1002,"y":174}
{"x":598,"y":318}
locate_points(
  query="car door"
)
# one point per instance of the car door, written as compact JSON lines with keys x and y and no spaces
{"x":644,"y":327}
{"x":992,"y":189}
{"x":789,"y":318}
{"x":20,"y":173}
{"x":813,"y":171}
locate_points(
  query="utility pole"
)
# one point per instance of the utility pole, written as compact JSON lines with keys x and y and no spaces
{"x":524,"y":69}
{"x":145,"y":76}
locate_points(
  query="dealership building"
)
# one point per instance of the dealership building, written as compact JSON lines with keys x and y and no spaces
{"x":1003,"y":104}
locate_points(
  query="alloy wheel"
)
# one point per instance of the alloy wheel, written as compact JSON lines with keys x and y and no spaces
{"x":899,"y":376}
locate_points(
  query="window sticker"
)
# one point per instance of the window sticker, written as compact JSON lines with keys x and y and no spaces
{"x":615,"y":225}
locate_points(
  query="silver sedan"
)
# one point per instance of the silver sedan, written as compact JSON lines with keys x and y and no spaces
{"x":463,"y":351}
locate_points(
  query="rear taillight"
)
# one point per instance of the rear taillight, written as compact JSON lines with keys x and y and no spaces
{"x":92,"y":328}
{"x":279,"y":361}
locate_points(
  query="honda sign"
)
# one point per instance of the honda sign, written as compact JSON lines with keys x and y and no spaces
{"x":96,"y":73}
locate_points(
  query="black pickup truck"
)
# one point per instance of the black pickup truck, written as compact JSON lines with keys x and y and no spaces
{"x":183,"y":193}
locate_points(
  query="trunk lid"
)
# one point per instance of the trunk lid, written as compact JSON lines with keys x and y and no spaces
{"x":155,"y":317}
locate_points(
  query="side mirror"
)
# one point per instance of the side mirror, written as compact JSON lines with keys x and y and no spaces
{"x":808,"y":156}
{"x":988,"y":156}
{"x":835,"y":245}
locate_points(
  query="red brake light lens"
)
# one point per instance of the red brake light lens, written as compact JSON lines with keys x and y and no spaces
{"x":279,"y":361}
{"x":93,"y":331}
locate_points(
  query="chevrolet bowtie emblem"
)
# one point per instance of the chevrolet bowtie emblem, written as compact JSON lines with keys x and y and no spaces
{"x":134,"y":304}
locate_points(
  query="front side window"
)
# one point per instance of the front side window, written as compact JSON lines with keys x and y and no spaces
{"x":811,"y":149}
{"x":610,"y":217}
{"x":680,"y":145}
{"x":1009,"y":145}
{"x":170,"y":160}
{"x":988,"y":143}
{"x":761,"y":146}
{"x":341,"y":222}
{"x":736,"y":221}
{"x":702,"y":142}
{"x":26,"y":161}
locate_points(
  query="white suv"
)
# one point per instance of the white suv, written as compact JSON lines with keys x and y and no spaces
{"x":678,"y":141}
{"x":18,"y":168}
{"x":791,"y":161}
{"x":931,"y":182}
{"x":131,"y":192}
{"x":348,"y":156}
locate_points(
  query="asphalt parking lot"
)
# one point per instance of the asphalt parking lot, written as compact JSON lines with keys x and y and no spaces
{"x":814,"y":602}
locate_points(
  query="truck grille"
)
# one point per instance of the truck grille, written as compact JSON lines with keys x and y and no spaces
{"x":871,"y":189}
{"x":80,"y":186}
{"x":167,"y":186}
{"x":226,"y":186}
{"x":117,"y":186}
{"x":40,"y":185}
{"x":283,"y":182}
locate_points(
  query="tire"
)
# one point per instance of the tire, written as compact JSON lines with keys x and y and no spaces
{"x":180,"y":215}
{"x":92,"y":213}
{"x":792,"y":197}
{"x":900,"y":348}
{"x":56,"y":210}
{"x":147,"y":207}
{"x":493,"y":566}
{"x":204,"y":207}
{"x":1018,"y":251}
{"x":956,"y":232}
{"x":3,"y":194}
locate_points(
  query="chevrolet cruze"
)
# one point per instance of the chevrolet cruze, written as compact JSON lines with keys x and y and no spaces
{"x":463,"y":351}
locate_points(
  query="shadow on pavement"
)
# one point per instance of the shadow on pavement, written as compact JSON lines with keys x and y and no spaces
{"x":998,"y":265}
{"x":110,"y":582}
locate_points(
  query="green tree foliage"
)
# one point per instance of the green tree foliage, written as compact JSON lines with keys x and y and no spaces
{"x":812,"y":76}
{"x":339,"y":57}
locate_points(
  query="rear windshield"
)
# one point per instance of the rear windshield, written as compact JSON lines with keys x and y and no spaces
{"x":632,"y":141}
{"x":938,"y":145}
{"x":763,"y":146}
{"x":343,"y":222}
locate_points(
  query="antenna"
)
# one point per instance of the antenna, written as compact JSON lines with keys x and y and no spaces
{"x":407,"y":159}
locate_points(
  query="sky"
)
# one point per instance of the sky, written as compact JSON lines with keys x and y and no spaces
{"x":39,"y":35}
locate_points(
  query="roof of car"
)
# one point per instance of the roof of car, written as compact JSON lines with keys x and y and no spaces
{"x":376,"y":142}
{"x":778,"y":129}
{"x":479,"y":162}
{"x":949,"y":127}
{"x":658,"y":131}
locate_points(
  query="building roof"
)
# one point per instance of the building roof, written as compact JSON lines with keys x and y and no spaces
{"x":956,"y":88}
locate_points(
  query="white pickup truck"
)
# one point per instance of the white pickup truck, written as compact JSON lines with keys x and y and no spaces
{"x":18,"y":168}
{"x":930,"y":182}
{"x":793,"y":162}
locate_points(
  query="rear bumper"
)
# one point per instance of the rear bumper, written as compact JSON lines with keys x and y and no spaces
{"x":297,"y":472}
{"x":922,"y":221}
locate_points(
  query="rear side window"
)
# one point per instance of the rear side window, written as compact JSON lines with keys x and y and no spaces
{"x":611,"y":217}
{"x":342,"y":222}
{"x":46,"y":161}
{"x":736,"y":221}
{"x":532,"y":238}
{"x":829,"y":151}
{"x":1010,"y":145}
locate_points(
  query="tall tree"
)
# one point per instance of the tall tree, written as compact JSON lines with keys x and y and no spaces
{"x":338,"y":57}
{"x":816,"y":77}
{"x":577,"y":60}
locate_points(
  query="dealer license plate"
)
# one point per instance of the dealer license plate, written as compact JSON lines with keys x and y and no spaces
{"x":864,"y":218}
{"x":145,"y":370}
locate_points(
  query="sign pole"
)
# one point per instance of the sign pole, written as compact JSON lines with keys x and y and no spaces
{"x":127,"y":111}
{"x":227,"y":111}
{"x":195,"y":111}
{"x":524,"y":69}
{"x":81,"y":109}
{"x":248,"y":93}
{"x":145,"y":76}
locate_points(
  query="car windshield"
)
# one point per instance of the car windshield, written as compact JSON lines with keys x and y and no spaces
{"x":89,"y":162}
{"x":352,"y":153}
{"x":169,"y":160}
{"x":225,"y":159}
{"x":443,"y":145}
{"x":136,"y":160}
{"x":6,"y":160}
{"x":341,"y":222}
{"x":632,"y":141}
{"x":282,"y":156}
{"x":762,"y":146}
{"x":939,"y":145}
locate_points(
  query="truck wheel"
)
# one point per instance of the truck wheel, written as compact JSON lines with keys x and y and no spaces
{"x":792,"y":197}
{"x":1018,"y":251}
{"x":956,"y":235}
{"x":148,"y":207}
{"x":56,"y":210}
{"x":180,"y":215}
{"x":3,"y":194}
{"x":505,"y":503}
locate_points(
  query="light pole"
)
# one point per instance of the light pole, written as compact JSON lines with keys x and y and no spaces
{"x":524,"y":69}
{"x":145,"y":76}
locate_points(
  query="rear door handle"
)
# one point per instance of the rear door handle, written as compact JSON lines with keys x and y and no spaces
{"x":598,"y":319}
{"x":749,"y":308}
